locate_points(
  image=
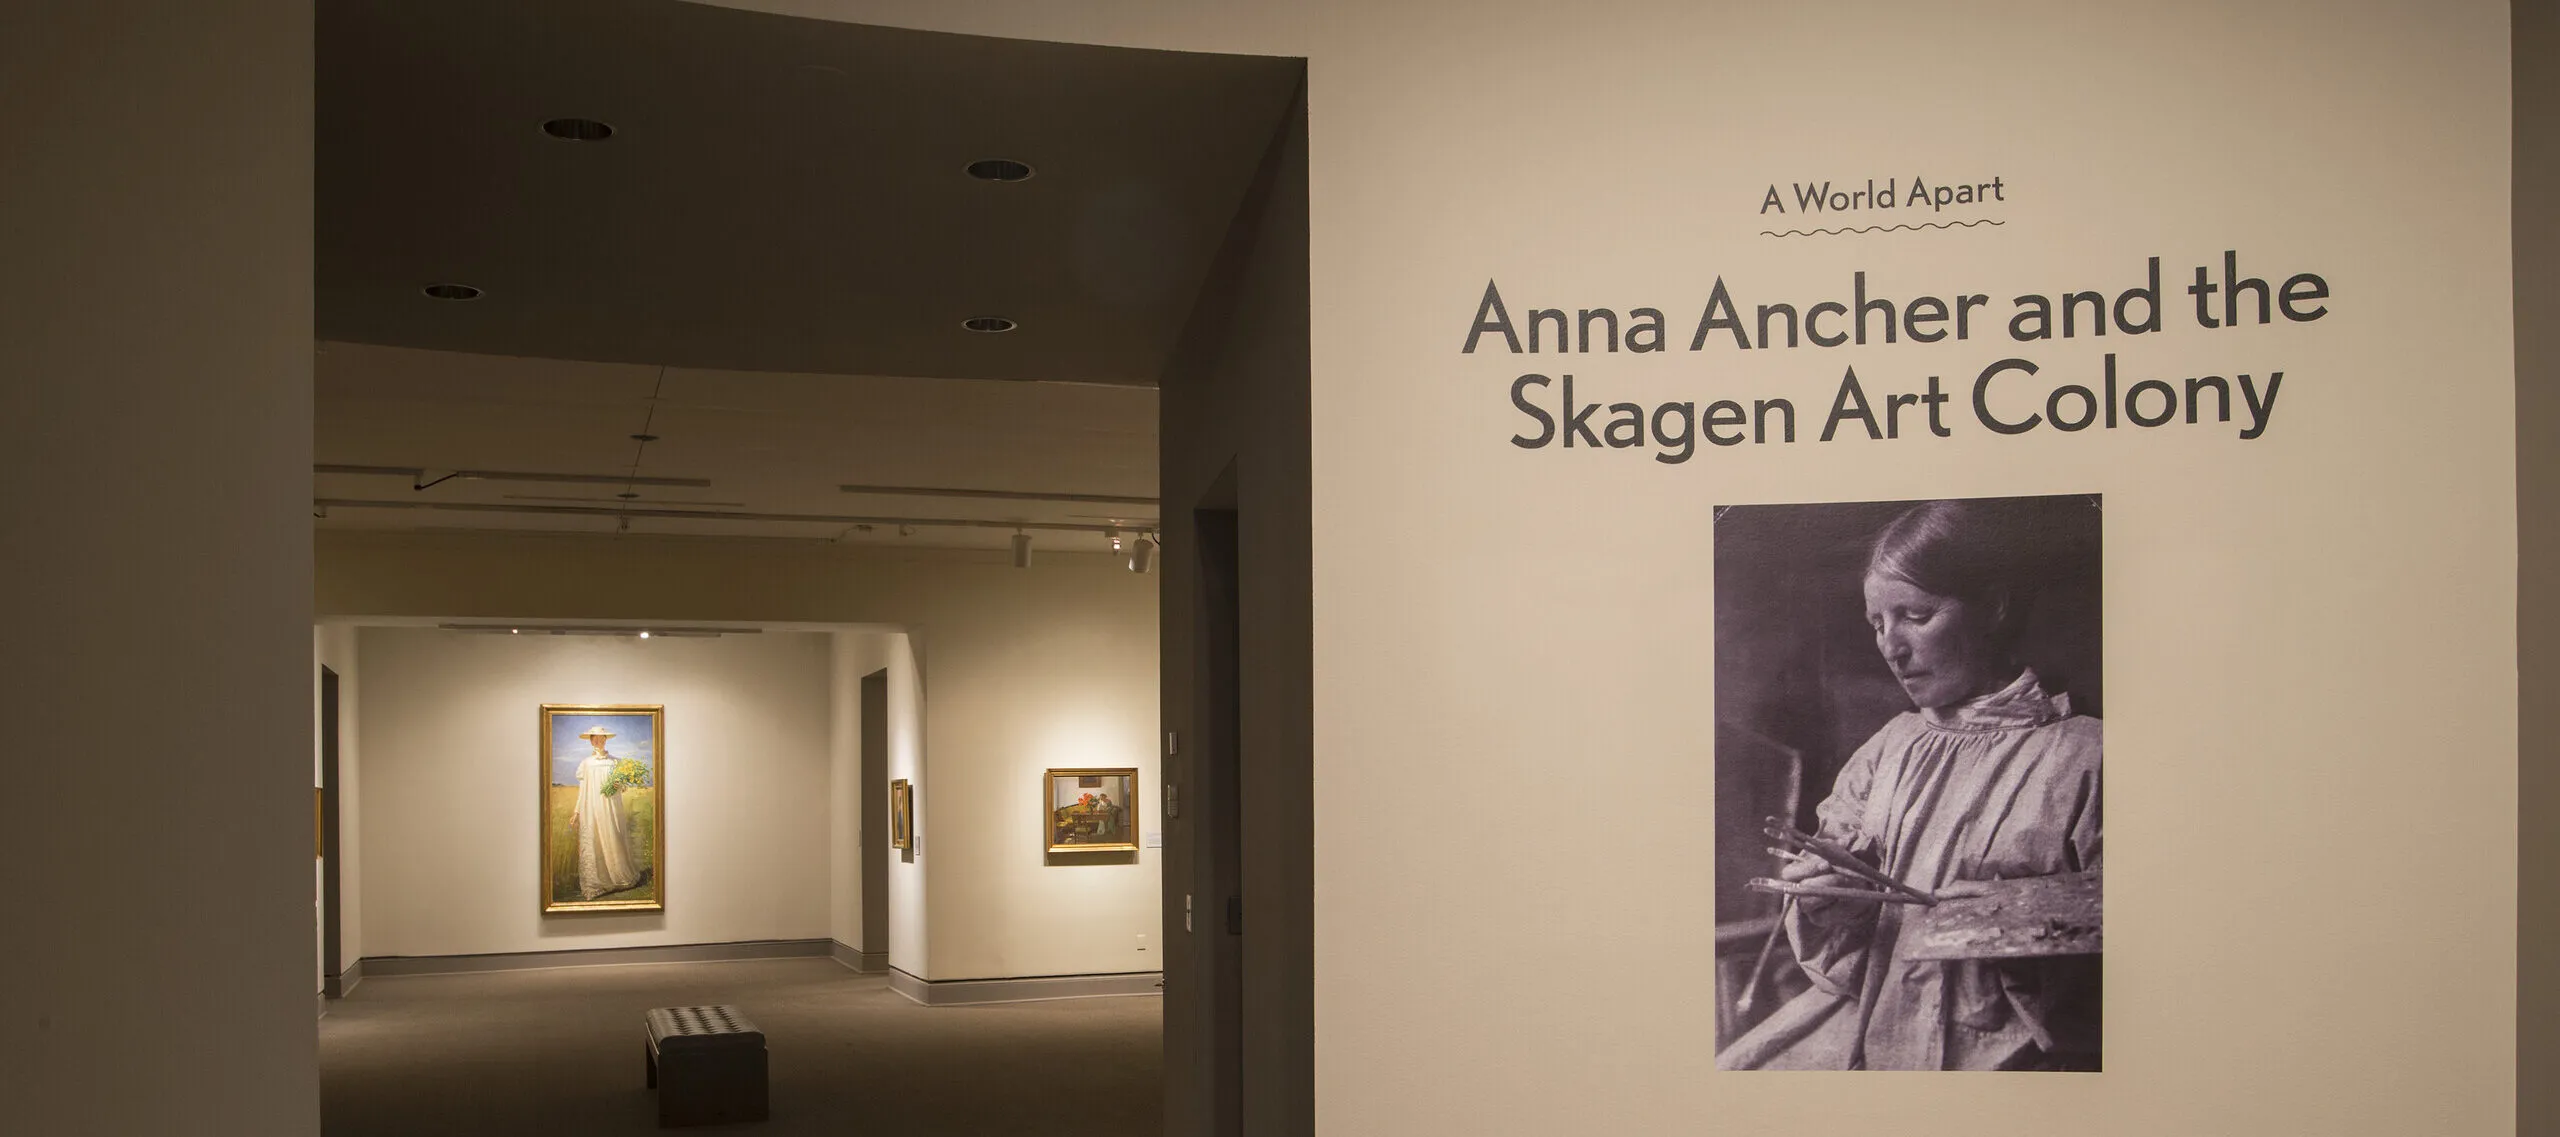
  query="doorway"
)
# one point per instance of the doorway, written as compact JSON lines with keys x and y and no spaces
{"x":332,"y":961}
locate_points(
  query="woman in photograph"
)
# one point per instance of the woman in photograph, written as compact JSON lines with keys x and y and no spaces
{"x":605,"y":863}
{"x":1992,"y":777}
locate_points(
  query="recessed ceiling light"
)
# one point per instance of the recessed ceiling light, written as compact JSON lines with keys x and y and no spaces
{"x":578,"y":129}
{"x":452,"y":292}
{"x":1000,"y":170}
{"x":988,"y":324}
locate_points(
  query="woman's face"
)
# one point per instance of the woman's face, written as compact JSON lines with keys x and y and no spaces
{"x":1940,"y":648}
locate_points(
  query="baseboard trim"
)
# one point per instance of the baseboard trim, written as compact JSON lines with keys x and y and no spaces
{"x":337,"y":986}
{"x":866,"y":962}
{"x":591,"y":957}
{"x":961,"y":992}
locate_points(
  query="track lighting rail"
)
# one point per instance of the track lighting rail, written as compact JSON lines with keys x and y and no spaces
{"x":417,"y":476}
{"x":997,"y":495}
{"x":709,"y":514}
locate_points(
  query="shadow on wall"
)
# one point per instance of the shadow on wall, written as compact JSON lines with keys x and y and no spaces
{"x":1797,"y":667}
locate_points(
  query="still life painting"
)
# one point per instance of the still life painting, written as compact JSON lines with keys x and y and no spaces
{"x":1092,"y":811}
{"x":602,"y":799}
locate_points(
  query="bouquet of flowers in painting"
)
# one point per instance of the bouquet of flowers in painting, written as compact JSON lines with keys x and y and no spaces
{"x":1091,"y":810}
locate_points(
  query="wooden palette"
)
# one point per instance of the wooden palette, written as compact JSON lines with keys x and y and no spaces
{"x":2013,"y":919}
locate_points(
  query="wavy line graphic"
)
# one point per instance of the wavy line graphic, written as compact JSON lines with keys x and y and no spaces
{"x":1884,"y":228}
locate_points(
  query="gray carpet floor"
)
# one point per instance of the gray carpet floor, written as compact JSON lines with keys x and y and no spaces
{"x":557,"y":1053}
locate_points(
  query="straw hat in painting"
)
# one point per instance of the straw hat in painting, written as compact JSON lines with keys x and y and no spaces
{"x":596,"y":731}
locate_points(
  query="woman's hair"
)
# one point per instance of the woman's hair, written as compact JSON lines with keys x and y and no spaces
{"x":1979,"y":550}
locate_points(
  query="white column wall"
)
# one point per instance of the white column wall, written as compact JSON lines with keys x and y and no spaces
{"x":910,"y":902}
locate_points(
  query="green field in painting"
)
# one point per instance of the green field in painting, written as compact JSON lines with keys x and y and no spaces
{"x":641,"y":806}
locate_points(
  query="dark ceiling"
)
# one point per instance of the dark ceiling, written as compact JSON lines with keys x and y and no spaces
{"x":779,"y":194}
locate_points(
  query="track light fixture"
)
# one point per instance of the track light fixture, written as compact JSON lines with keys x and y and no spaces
{"x":1142,"y":553}
{"x":1021,"y":549}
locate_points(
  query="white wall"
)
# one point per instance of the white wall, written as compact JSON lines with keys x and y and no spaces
{"x":910,"y":902}
{"x":2289,"y":619}
{"x":857,"y":812}
{"x":1003,"y":673}
{"x":451,"y":772}
{"x":1014,"y":689}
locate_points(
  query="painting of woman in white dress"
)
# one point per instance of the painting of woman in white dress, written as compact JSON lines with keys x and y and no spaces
{"x":601,"y":795}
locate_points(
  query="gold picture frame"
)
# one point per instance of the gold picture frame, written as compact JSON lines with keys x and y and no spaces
{"x":1089,"y":810}
{"x":902,"y":815}
{"x":602,"y":807}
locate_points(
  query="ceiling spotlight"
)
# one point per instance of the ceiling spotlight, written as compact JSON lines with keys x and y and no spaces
{"x":644,"y":633}
{"x":989,"y":324}
{"x":999,"y":170}
{"x":451,"y":292}
{"x":1114,"y":535}
{"x":515,"y":631}
{"x":1142,"y":555}
{"x":578,"y":129}
{"x":1021,"y":549}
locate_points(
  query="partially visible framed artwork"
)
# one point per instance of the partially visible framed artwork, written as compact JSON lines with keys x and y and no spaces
{"x":604,"y":837}
{"x":902,"y":815}
{"x":1091,"y":811}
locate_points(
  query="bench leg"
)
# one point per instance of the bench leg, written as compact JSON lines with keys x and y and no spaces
{"x":649,"y":1054}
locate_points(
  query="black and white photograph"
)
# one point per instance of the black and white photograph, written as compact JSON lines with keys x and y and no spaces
{"x":1908,"y":748}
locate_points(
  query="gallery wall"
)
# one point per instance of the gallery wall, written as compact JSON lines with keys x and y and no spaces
{"x":858,"y":809}
{"x":451,"y":762}
{"x":2289,"y":617}
{"x":1016,"y":670}
{"x":910,"y":929}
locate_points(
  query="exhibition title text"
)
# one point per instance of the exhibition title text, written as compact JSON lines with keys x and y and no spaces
{"x":2011,"y":395}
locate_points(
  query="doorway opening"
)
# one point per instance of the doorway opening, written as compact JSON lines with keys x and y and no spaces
{"x":669,"y":331}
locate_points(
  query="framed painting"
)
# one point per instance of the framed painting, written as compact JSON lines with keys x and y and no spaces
{"x":902,"y":815}
{"x":1090,"y":811}
{"x":604,"y":837}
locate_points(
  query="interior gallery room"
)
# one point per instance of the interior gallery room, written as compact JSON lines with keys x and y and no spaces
{"x":1243,"y":570}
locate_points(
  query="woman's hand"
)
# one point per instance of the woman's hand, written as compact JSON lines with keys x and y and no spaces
{"x":1801,"y":869}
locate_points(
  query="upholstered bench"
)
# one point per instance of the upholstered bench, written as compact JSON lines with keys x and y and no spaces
{"x":707,"y":1064}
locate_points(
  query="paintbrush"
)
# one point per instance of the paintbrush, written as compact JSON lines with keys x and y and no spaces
{"x":1841,"y":859}
{"x":1826,"y":892}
